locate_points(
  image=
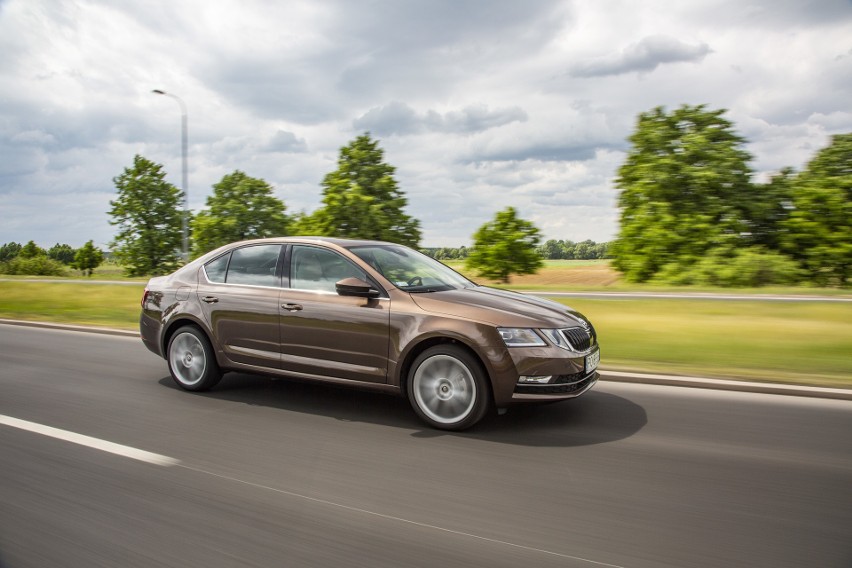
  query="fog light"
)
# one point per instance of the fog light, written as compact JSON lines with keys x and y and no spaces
{"x":535,"y":379}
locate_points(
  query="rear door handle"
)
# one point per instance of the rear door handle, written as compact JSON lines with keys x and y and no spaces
{"x":292,"y":307}
{"x":210,"y":299}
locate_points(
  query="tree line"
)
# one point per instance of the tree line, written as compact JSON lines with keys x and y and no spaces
{"x":692,"y":214}
{"x":550,"y":250}
{"x":31,"y":259}
{"x":360,"y":199}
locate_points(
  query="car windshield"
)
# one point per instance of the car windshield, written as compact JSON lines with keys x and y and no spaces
{"x":410,"y":270}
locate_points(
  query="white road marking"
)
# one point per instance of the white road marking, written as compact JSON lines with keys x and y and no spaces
{"x":158,"y":459}
{"x":89,"y":442}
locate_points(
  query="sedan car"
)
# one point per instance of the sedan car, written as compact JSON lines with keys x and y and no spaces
{"x":366,"y":313}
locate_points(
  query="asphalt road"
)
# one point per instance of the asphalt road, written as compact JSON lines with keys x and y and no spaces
{"x":281,"y":473}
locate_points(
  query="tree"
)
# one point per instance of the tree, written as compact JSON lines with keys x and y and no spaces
{"x":241,"y":207}
{"x":38,"y":265}
{"x":9,"y":251}
{"x":61,"y":253}
{"x":505,"y":246}
{"x":31,"y":250}
{"x":551,"y":250}
{"x":361,"y":199}
{"x":148,"y":214}
{"x":88,"y":258}
{"x":818,"y":231}
{"x":768,"y":214}
{"x":685,"y":189}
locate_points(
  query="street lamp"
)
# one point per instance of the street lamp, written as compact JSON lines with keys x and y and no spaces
{"x":183,"y":124}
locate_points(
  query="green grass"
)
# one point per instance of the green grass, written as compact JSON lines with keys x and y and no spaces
{"x":105,"y":305}
{"x":800,"y":342}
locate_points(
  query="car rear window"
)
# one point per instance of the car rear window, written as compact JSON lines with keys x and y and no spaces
{"x":253,"y":265}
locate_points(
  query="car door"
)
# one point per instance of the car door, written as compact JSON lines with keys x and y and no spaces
{"x":239,"y":294}
{"x":323,"y":333}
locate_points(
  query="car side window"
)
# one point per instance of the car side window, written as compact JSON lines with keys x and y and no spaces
{"x":215,"y":269}
{"x":254,"y":265}
{"x":317,"y":269}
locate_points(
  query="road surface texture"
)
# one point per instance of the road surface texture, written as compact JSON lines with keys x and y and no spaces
{"x":264,"y":472}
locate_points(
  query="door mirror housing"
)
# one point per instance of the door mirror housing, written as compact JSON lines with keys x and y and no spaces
{"x":356,"y":287}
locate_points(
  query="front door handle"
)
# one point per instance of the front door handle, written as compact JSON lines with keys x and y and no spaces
{"x":210,"y":299}
{"x":292,"y":307}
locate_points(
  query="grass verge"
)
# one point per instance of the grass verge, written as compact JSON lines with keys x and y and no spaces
{"x":103,"y":305}
{"x":794,"y":342}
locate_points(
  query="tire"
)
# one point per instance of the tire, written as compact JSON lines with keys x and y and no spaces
{"x":447,"y":388}
{"x":192,"y":362}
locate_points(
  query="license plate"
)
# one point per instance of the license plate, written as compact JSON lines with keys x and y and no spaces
{"x":592,"y":361}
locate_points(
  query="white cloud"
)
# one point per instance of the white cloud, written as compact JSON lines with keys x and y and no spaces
{"x":642,"y":57}
{"x":525,"y":104}
{"x":399,"y":118}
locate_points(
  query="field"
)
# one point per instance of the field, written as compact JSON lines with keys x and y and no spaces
{"x":798,"y":342}
{"x":599,"y":276}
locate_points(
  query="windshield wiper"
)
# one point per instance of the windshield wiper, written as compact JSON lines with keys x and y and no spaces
{"x":426,"y":289}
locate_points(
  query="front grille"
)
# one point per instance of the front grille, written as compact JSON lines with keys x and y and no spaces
{"x":564,"y":384}
{"x":580,"y":339}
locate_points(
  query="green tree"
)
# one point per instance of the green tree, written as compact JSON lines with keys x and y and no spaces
{"x":550,"y":250}
{"x":148,"y":215}
{"x":568,"y":248}
{"x":685,"y":189}
{"x":818,"y":231}
{"x":38,"y":265}
{"x":88,"y":258}
{"x":9,"y":251}
{"x":743,"y":267}
{"x":31,"y":250}
{"x":241,"y":207}
{"x":504,"y":246}
{"x":768,"y":214}
{"x":61,"y":253}
{"x":361,"y":199}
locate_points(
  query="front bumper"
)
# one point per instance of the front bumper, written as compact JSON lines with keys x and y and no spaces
{"x":569,"y":377}
{"x":564,"y":387}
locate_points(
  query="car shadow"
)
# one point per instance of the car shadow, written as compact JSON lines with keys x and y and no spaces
{"x":594,"y":418}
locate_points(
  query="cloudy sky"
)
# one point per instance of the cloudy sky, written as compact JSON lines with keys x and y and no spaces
{"x":479,"y":104}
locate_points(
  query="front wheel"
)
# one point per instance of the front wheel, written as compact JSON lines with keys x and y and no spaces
{"x":447,"y":388}
{"x":192,"y":363}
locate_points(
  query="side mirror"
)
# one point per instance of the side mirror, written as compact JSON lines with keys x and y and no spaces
{"x":356,"y":287}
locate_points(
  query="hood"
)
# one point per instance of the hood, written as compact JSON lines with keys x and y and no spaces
{"x":500,"y":308}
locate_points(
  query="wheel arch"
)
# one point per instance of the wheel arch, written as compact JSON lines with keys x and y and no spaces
{"x":426,"y":343}
{"x":171,"y":327}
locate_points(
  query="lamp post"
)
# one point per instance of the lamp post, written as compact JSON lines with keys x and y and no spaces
{"x":184,"y":137}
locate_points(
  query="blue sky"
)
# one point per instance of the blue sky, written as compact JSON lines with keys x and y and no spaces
{"x":478,"y":104}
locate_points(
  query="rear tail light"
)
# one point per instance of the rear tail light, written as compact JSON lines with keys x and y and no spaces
{"x":145,"y":298}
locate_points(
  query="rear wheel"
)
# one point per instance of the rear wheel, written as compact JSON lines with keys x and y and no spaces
{"x":447,"y":388}
{"x":192,"y":363}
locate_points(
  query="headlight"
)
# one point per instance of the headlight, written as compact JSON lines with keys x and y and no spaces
{"x":520,"y":337}
{"x":556,"y":337}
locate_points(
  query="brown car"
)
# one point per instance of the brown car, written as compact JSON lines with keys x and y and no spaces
{"x":371,"y":314}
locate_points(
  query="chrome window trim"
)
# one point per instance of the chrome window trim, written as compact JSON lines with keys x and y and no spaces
{"x":327,"y":293}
